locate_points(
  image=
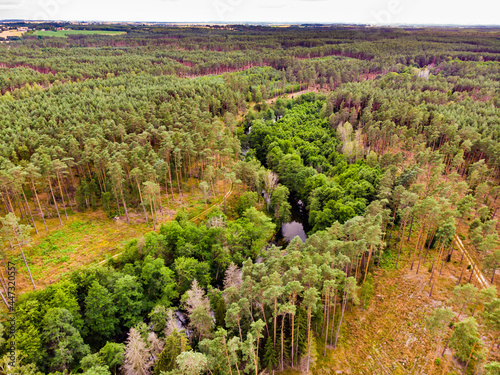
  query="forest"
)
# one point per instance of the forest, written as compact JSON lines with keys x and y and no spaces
{"x":148,"y":181}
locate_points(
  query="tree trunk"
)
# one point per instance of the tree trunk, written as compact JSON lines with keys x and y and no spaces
{"x":327,"y":323}
{"x":5,"y":301}
{"x":152,"y":215}
{"x":178,"y":179}
{"x":3,"y":282}
{"x":472,"y":273}
{"x":416,"y":247}
{"x":340,"y":322}
{"x":368,"y":262}
{"x":420,"y":253}
{"x":324,"y":315}
{"x":124,"y":206}
{"x":55,"y":203}
{"x":308,"y":338}
{"x":435,"y":356}
{"x":29,"y":209}
{"x":21,"y":210}
{"x":489,"y":350}
{"x":452,"y":249}
{"x":7,"y":205}
{"x":264,"y":316}
{"x":27,"y":267}
{"x":239,"y":328}
{"x":166,"y":194}
{"x":69,"y":198}
{"x":142,"y":202}
{"x":170,"y":179}
{"x":470,"y":356}
{"x":282,"y":324}
{"x":401,"y":244}
{"x":62,"y":195}
{"x":433,"y":262}
{"x":333,"y":316}
{"x":275,"y":319}
{"x":411,"y":227}
{"x":40,"y":207}
{"x":227,"y":354}
{"x":430,"y":242}
{"x":190,"y":173}
{"x":293,"y":326}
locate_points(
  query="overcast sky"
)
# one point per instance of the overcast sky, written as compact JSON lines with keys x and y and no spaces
{"x":478,"y":12}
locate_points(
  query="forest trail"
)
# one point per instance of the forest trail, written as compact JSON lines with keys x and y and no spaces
{"x":291,"y":94}
{"x":478,"y":274}
{"x":227,"y":195}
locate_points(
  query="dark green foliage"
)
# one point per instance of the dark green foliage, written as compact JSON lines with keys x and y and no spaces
{"x":281,"y":207}
{"x":65,"y":344}
{"x":112,"y":355}
{"x":271,"y":355}
{"x":128,"y":297}
{"x":300,"y":339}
{"x":245,"y":201}
{"x":301,"y":148}
{"x":89,"y":361}
{"x":218,"y":305}
{"x":156,"y":279}
{"x":463,"y":338}
{"x":175,"y":344}
{"x":188,"y":269}
{"x":100,"y":311}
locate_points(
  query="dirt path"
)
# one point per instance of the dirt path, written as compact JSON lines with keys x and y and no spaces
{"x":478,"y":274}
{"x":227,"y":195}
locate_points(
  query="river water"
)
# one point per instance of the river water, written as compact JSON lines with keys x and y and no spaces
{"x":297,"y":226}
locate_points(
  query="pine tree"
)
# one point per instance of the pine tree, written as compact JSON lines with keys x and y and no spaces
{"x":175,"y":344}
{"x":271,"y":355}
{"x":465,"y":338}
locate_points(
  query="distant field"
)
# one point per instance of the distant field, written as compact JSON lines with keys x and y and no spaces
{"x":5,"y":34}
{"x":65,"y":33}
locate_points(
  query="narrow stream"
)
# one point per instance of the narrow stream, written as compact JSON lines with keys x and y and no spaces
{"x":297,"y":226}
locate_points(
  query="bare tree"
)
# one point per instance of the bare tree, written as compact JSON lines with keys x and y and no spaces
{"x":137,"y":355}
{"x":233,"y":276}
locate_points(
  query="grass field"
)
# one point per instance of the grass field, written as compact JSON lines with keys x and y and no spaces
{"x":90,"y":237}
{"x":65,"y":33}
{"x":5,"y":34}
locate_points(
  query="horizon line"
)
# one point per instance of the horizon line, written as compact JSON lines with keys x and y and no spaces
{"x":258,"y":23}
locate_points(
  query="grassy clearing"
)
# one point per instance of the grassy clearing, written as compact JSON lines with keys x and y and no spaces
{"x":91,"y":236}
{"x":65,"y":33}
{"x":390,"y":337}
{"x":84,"y":238}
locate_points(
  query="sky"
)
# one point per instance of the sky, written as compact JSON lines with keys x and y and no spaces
{"x":375,"y":12}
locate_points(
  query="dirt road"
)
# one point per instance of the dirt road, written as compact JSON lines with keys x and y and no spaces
{"x":478,"y":274}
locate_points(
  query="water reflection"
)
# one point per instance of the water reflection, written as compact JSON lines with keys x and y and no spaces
{"x":292,"y":229}
{"x":297,"y":226}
